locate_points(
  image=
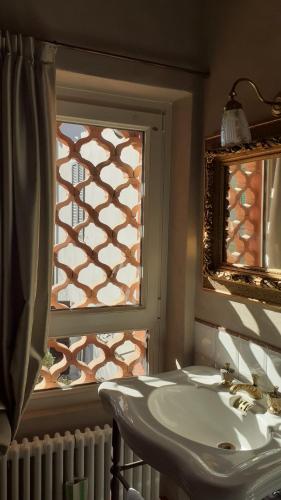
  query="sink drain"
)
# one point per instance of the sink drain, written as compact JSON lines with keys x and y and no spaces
{"x":226,"y":446}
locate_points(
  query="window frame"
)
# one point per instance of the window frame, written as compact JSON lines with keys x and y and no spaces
{"x":64,"y":323}
{"x":147,"y":315}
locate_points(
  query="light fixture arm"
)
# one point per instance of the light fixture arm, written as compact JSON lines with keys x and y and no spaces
{"x":275,"y":105}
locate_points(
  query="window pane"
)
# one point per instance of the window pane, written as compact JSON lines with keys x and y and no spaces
{"x":93,"y":358}
{"x":97,"y":252}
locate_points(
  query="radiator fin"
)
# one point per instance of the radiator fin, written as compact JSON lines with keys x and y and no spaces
{"x":37,"y":470}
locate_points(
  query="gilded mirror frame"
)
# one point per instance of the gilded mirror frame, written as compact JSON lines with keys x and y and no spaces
{"x":252,"y":282}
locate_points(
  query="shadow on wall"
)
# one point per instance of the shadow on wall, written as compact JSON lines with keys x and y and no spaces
{"x":245,"y":316}
{"x":251,"y":320}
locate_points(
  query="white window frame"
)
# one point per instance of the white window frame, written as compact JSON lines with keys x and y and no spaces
{"x":146,"y":316}
{"x":76,"y":322}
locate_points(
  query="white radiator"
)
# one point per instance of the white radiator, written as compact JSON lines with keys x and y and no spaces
{"x":38,"y":469}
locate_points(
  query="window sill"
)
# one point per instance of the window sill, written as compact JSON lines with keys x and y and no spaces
{"x":58,"y":410}
{"x":74,"y":394}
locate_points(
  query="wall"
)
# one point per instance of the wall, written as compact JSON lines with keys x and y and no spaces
{"x":183,"y":242}
{"x":244,"y":41}
{"x":160,"y":29}
{"x":217,"y":346}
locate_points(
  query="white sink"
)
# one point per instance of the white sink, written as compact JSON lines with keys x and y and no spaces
{"x":207,"y":417}
{"x":177,"y":421}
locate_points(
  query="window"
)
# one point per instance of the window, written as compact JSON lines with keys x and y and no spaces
{"x":73,"y":361}
{"x":108,"y":245}
{"x":97,"y":252}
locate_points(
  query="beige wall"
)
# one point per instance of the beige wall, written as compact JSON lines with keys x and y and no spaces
{"x":183,"y":236}
{"x":162,"y":30}
{"x":244,"y":41}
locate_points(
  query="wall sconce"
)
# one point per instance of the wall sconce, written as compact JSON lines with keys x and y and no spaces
{"x":235,"y":128}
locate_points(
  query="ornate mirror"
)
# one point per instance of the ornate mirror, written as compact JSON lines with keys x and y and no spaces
{"x":242,"y":217}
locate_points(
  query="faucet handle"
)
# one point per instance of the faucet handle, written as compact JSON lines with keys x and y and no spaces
{"x":275,"y":392}
{"x":255,"y":378}
{"x":227,"y":368}
{"x":227,"y":375}
{"x":274,"y":401}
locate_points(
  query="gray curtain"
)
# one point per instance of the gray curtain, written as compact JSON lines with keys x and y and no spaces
{"x":27,"y":151}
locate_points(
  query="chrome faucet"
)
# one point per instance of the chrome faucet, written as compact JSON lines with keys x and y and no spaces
{"x":252,"y":389}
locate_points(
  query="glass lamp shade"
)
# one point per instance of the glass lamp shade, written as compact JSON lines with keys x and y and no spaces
{"x":234,"y":127}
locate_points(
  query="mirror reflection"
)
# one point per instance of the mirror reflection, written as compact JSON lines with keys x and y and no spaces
{"x":253,"y":230}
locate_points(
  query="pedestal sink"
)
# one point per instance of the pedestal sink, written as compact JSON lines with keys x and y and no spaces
{"x":184,"y":425}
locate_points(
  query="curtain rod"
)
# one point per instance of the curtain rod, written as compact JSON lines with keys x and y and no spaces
{"x":132,"y":59}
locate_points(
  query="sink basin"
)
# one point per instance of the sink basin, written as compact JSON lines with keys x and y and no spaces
{"x":184,"y":425}
{"x":207,"y":417}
